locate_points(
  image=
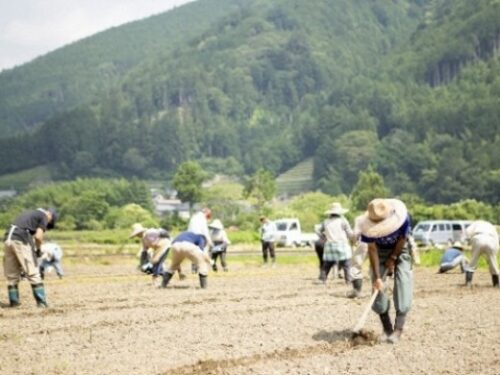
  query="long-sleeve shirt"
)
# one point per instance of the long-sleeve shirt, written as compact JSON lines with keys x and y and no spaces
{"x":268,"y":232}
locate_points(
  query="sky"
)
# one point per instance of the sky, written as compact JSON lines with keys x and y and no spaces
{"x":30,"y":28}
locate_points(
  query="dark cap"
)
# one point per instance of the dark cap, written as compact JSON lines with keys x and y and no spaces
{"x":55,"y":216}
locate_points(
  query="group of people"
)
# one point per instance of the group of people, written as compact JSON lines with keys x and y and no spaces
{"x":382,"y":234}
{"x":202,"y":243}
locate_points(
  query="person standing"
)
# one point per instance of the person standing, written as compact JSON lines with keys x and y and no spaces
{"x":23,"y":242}
{"x":192,"y":246}
{"x":221,"y":242}
{"x":483,"y":238}
{"x":452,"y":258}
{"x":385,"y":227}
{"x":267,"y":239}
{"x":319,"y":247}
{"x":51,"y":257}
{"x":338,"y":235}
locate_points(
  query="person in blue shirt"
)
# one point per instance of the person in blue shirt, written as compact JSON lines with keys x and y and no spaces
{"x":452,"y":258}
{"x":51,"y":257}
{"x":192,"y":246}
{"x":385,"y":227}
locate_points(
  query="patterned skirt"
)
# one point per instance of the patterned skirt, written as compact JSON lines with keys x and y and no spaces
{"x":337,"y":251}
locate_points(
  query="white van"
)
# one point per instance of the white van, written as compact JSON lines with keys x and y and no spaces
{"x":433,"y":232}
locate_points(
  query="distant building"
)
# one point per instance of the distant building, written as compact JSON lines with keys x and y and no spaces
{"x":170,"y":206}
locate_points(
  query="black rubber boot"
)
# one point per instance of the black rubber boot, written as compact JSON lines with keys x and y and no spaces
{"x":357,"y":284}
{"x":386,"y":323}
{"x":42,"y":273}
{"x":39,"y":294}
{"x":468,"y":278}
{"x":13,"y":295}
{"x":494,"y":278}
{"x":203,"y":281}
{"x":166,"y":279}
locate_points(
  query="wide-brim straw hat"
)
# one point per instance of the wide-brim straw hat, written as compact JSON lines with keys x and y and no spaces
{"x":383,"y":217}
{"x":137,"y":228}
{"x":336,"y":209}
{"x":216,"y":224}
{"x":458,"y":245}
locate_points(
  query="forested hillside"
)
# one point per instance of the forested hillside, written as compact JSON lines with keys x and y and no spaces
{"x":408,"y":87}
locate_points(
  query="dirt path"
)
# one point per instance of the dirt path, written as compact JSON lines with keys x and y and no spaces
{"x":109,"y":319}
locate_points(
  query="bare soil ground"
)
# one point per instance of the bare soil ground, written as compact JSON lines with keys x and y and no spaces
{"x":251,"y":320}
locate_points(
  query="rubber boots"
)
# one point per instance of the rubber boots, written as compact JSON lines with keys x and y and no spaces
{"x":494,"y":278}
{"x":468,"y":278}
{"x":166,"y":279}
{"x":386,"y":323}
{"x":357,"y":284}
{"x":13,"y":295}
{"x":39,"y":294}
{"x":203,"y":281}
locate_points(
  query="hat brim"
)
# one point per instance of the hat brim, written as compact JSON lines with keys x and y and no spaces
{"x":387,"y":226}
{"x":336,"y":212}
{"x":136,"y":232}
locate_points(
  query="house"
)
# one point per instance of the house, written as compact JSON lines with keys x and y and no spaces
{"x":170,"y":206}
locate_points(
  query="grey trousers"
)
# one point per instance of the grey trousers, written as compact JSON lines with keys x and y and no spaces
{"x":403,"y":284}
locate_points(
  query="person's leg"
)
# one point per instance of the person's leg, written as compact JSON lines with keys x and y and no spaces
{"x":491,"y":257}
{"x":403,"y":293}
{"x":272,"y":252}
{"x":58,"y":268}
{"x":214,"y":261}
{"x":177,"y":258}
{"x":12,"y":272}
{"x":356,"y":270}
{"x":476,"y":252}
{"x":318,"y":248}
{"x":327,"y":266}
{"x":346,"y":267}
{"x":264,"y":251}
{"x":223,"y":260}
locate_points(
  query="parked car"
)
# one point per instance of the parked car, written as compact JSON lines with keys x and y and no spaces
{"x":289,"y":233}
{"x":434,"y":232}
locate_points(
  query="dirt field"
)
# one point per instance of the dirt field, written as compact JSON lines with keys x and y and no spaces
{"x":251,"y":320}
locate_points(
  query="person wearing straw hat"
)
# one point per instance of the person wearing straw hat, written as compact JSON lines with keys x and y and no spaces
{"x":338,"y":237}
{"x":220,"y":241}
{"x":155,"y":245}
{"x":385,"y":227}
{"x":452,"y":258}
{"x":483,"y":238}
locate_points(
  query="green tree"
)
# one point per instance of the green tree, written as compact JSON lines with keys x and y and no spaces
{"x":261,"y":186}
{"x":187,"y":181}
{"x":370,"y":185}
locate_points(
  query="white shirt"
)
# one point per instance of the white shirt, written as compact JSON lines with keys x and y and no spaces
{"x":198,"y":224}
{"x":268,"y":231}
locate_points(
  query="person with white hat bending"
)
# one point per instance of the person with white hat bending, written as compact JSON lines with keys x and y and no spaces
{"x":338,"y":237}
{"x":385,"y":227}
{"x":483,"y":238}
{"x":220,"y":243}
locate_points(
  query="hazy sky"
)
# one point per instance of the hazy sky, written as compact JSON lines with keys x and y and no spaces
{"x":30,"y":28}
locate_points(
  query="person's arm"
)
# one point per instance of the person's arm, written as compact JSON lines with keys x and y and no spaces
{"x":38,"y":236}
{"x":378,"y":284}
{"x":390,"y":263}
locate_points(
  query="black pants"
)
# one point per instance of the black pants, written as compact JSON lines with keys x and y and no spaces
{"x":327,"y":266}
{"x":268,"y":247}
{"x":222,"y":256}
{"x":319,"y":247}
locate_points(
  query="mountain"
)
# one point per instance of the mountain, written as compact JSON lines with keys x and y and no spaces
{"x":347,"y":83}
